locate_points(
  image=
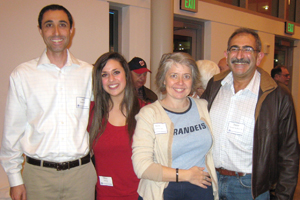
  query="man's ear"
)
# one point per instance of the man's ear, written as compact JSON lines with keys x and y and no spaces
{"x":225,"y":54}
{"x":40,"y":30}
{"x":71,"y":30}
{"x":276,"y":77}
{"x":259,"y":58}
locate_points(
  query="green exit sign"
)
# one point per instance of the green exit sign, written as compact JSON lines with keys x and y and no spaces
{"x":189,"y":5}
{"x":289,"y":28}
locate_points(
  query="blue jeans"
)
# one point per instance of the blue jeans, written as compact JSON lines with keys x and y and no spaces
{"x":186,"y":191}
{"x":237,"y":188}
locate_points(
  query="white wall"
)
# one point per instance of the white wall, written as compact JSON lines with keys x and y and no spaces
{"x":136,"y":34}
{"x":296,"y":82}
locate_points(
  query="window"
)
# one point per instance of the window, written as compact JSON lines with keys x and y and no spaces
{"x":188,"y":37}
{"x":284,"y":9}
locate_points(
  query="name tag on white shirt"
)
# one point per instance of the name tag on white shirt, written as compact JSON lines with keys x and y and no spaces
{"x":106,"y":181}
{"x":82,"y":102}
{"x":235,"y":128}
{"x":160,"y":128}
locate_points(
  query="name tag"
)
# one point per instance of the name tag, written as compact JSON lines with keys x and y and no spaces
{"x":160,"y":128}
{"x":106,"y":181}
{"x":235,"y":128}
{"x":82,"y":102}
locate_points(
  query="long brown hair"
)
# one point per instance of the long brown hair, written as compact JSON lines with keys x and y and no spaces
{"x":104,"y":103}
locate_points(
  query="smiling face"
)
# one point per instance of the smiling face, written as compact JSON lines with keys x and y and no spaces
{"x":56,"y":31}
{"x":178,"y":81}
{"x":243,"y":63}
{"x":114,"y":79}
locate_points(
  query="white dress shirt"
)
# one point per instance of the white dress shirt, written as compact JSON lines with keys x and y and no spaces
{"x":46,"y":113}
{"x":233,"y":120}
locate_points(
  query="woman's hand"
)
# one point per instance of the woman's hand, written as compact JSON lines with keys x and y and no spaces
{"x":197,"y":176}
{"x":194,"y":175}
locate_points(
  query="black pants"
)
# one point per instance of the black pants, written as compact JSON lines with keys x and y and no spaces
{"x":186,"y":190}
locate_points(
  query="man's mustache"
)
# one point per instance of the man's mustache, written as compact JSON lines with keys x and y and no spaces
{"x":240,"y":61}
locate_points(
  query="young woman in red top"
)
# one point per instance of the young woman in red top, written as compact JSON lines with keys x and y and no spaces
{"x":111,"y":127}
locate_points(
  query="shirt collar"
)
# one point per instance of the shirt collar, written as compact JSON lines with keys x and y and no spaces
{"x":253,"y":85}
{"x":71,"y":60}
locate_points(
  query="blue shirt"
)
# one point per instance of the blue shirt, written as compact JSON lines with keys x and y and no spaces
{"x":191,"y":139}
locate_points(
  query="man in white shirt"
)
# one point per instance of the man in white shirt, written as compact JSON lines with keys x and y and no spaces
{"x":254,"y":126}
{"x":46,"y":118}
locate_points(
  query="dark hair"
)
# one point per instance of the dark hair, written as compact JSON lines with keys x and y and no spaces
{"x":103,"y":102}
{"x":54,"y":7}
{"x":169,"y":59}
{"x":277,"y":70}
{"x":247,"y":31}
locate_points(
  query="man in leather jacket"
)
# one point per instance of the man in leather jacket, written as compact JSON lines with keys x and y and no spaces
{"x":254,"y":125}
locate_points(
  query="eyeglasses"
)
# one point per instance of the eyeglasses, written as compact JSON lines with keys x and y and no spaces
{"x":244,"y":50}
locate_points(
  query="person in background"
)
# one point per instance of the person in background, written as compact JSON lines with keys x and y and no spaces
{"x":207,"y":69}
{"x":46,"y":118}
{"x":111,"y":127}
{"x":173,"y":140}
{"x":139,"y":71}
{"x":223,"y":65}
{"x":281,"y":74}
{"x":254,"y":124}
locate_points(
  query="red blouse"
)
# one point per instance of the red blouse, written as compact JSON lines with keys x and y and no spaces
{"x":113,"y":159}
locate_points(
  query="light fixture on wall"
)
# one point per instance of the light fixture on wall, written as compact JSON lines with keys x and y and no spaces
{"x":266,"y":49}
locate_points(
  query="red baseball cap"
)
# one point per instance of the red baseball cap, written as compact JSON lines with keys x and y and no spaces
{"x":138,"y":65}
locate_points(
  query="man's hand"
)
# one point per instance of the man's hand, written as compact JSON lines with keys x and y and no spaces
{"x":18,"y":192}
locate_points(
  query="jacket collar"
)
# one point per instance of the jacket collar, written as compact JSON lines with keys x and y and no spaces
{"x":267,"y":85}
{"x":266,"y":81}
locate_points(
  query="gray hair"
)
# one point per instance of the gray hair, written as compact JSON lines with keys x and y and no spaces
{"x":168,"y":60}
{"x":247,"y":31}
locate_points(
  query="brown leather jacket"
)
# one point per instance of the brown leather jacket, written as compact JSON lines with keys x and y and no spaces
{"x":148,"y":95}
{"x":275,"y":146}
